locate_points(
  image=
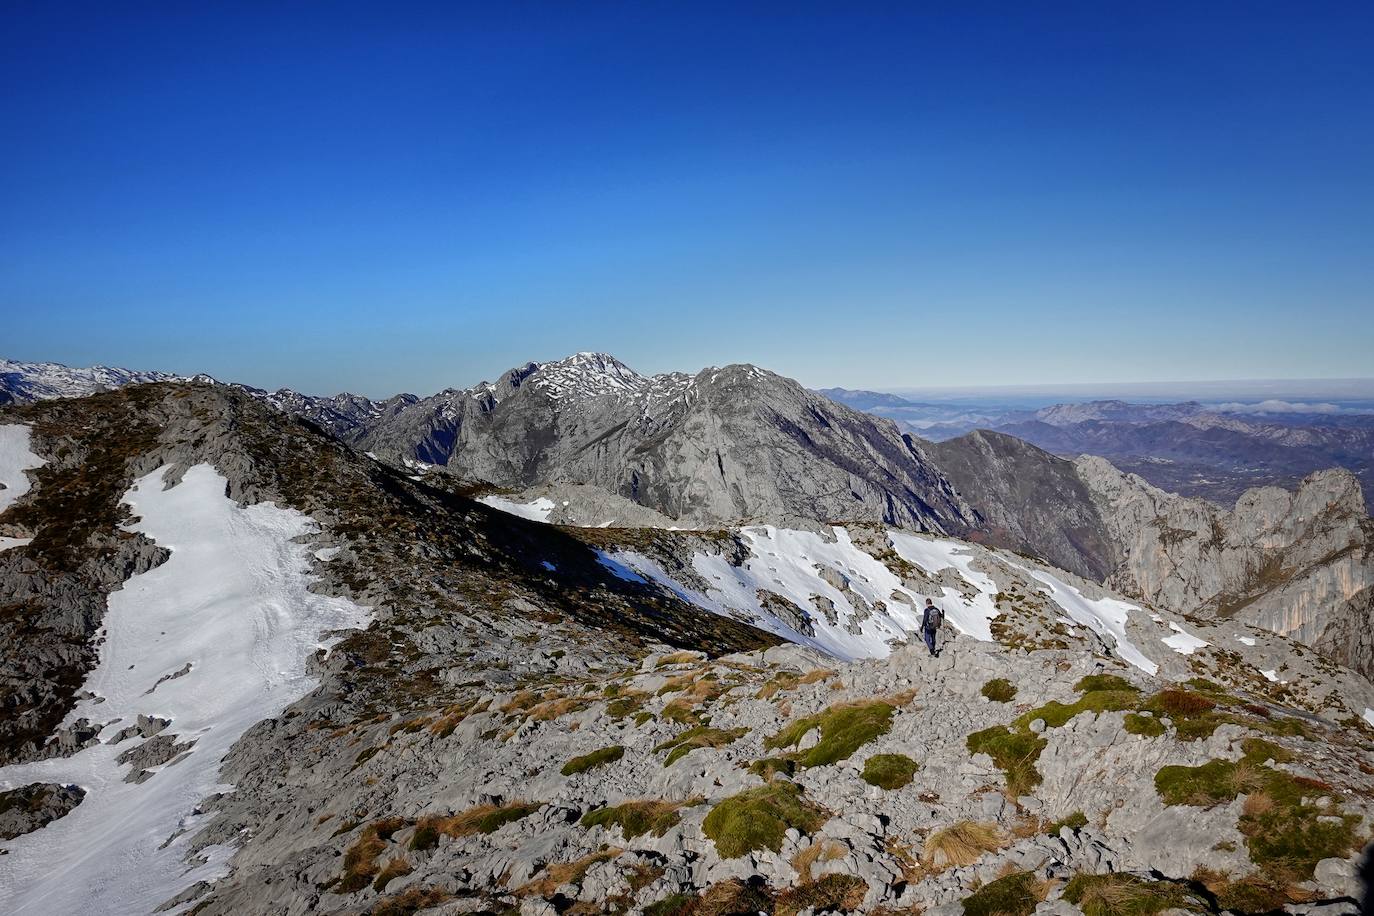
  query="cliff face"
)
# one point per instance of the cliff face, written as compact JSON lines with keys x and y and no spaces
{"x":1029,"y":501}
{"x":729,"y":445}
{"x":1298,"y":563}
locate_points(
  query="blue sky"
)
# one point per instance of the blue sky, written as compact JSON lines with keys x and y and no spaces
{"x":408,"y":196}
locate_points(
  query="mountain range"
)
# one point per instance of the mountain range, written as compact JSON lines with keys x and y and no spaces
{"x":1214,"y":452}
{"x":251,"y":668}
{"x":603,"y":445}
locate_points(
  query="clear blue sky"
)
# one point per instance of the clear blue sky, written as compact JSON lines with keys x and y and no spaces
{"x":408,"y":196}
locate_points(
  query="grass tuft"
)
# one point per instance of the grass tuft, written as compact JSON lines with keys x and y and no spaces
{"x":962,"y":843}
{"x":636,"y":818}
{"x":483,"y":819}
{"x":844,"y":728}
{"x":1127,"y":895}
{"x":597,"y":758}
{"x":1014,"y":753}
{"x":999,"y":690}
{"x":700,"y":736}
{"x":889,"y":771}
{"x":757,"y":819}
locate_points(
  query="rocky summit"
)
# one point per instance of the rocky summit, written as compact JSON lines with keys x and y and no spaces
{"x":267,"y":654}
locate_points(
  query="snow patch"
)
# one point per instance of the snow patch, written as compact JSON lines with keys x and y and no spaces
{"x":1369,"y":715}
{"x":1271,"y":675}
{"x":933,"y":555}
{"x":1183,"y":642}
{"x":536,"y":511}
{"x":871,"y":608}
{"x":1246,"y":640}
{"x":233,"y":602}
{"x":1104,"y":616}
{"x":15,"y":458}
{"x":7,"y":543}
{"x":619,"y":569}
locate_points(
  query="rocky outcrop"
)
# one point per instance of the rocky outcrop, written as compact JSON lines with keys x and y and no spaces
{"x":1297,"y":563}
{"x":730,"y":445}
{"x":1029,"y":500}
{"x":30,"y":807}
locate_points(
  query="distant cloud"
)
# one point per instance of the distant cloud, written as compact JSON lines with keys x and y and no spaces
{"x":1276,"y":406}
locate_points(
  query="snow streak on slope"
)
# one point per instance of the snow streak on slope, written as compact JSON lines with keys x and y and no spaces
{"x":536,"y":511}
{"x":871,"y":605}
{"x":935,"y":555}
{"x":1104,"y":616}
{"x":232,"y":603}
{"x":1183,"y":642}
{"x":15,"y":458}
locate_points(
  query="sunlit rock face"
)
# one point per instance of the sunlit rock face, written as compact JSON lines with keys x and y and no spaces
{"x":1298,"y":563}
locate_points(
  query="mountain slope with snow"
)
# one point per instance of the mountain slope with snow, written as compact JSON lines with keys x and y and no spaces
{"x":725,"y":445}
{"x":22,"y":383}
{"x":209,"y":643}
{"x":541,"y":718}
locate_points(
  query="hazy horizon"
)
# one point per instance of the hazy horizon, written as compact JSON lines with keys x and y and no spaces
{"x":1334,"y":390}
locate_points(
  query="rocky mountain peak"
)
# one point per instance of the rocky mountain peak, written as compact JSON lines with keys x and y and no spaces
{"x":25,"y":382}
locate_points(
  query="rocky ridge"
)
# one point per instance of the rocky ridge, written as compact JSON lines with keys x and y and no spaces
{"x":528,"y":724}
{"x":1298,"y":563}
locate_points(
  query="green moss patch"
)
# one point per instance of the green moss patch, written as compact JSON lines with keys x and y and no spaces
{"x":623,"y":707}
{"x":1094,"y":682}
{"x":636,"y":818}
{"x":1147,"y":726}
{"x":1014,"y":753}
{"x":757,"y":819}
{"x":1283,"y":824}
{"x":700,"y":736}
{"x":1014,"y":895}
{"x":1076,"y":821}
{"x":1127,"y":895}
{"x":999,"y":690}
{"x":889,"y":771}
{"x":593,"y":760}
{"x":844,"y":728}
{"x":1057,"y":714}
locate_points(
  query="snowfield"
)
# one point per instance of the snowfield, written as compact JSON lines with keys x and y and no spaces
{"x":536,"y":511}
{"x":16,"y":457}
{"x":233,"y":604}
{"x":872,"y":608}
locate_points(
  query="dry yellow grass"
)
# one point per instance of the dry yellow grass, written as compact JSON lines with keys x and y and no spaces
{"x":902,"y":698}
{"x":558,"y":707}
{"x":678,"y":658}
{"x":557,"y":874}
{"x":1259,"y":803}
{"x":962,"y":843}
{"x":819,"y":851}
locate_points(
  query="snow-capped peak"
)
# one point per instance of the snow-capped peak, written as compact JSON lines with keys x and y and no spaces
{"x":24,"y":382}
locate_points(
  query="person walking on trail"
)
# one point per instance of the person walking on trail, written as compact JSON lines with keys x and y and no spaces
{"x":931,"y":620}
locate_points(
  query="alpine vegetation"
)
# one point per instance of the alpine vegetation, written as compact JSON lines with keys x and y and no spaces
{"x":260,"y":663}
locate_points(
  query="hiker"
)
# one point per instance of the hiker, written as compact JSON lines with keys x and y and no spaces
{"x":930,"y":622}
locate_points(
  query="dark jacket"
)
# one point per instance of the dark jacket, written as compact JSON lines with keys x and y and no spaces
{"x":932,"y":618}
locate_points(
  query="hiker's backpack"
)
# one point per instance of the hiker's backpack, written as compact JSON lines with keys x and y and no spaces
{"x":937,"y":618}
